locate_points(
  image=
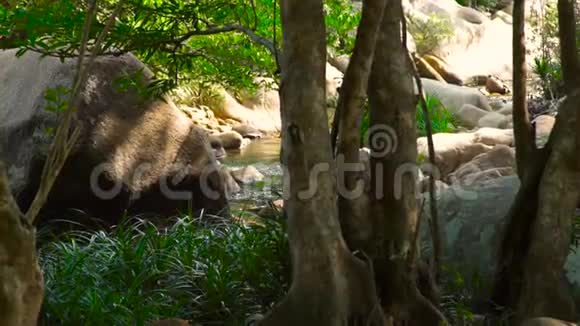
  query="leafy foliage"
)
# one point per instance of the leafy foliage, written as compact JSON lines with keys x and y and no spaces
{"x":550,"y":74}
{"x":544,"y":23}
{"x":430,"y":32}
{"x":227,"y":42}
{"x":196,"y":94}
{"x":139,"y":272}
{"x":341,"y":22}
{"x":458,"y":301}
{"x":487,"y":5}
{"x":441,"y":119}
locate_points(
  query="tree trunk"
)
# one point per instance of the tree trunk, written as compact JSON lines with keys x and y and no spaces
{"x":523,"y":130}
{"x":329,"y":285}
{"x":569,"y":54}
{"x":536,"y":239}
{"x":353,"y":201}
{"x":21,"y":282}
{"x":542,"y":293}
{"x":394,"y":210}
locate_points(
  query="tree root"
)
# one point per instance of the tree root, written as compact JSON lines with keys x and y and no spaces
{"x":344,"y":294}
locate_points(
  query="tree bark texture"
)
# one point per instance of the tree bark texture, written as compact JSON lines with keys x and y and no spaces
{"x":353,"y":209}
{"x":329,"y":285}
{"x":568,"y":48}
{"x":394,"y":210}
{"x":542,"y":292}
{"x":21,"y":282}
{"x":523,"y":130}
{"x":536,"y":239}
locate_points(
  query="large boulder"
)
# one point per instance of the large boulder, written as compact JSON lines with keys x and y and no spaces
{"x":499,"y":161}
{"x":479,"y":45}
{"x":494,"y":120}
{"x":134,"y":154}
{"x":455,"y":97}
{"x":472,"y":217}
{"x":230,"y":140}
{"x":469,"y":115}
{"x":453,"y":150}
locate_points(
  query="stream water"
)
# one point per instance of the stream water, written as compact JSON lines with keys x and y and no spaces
{"x":264,"y":155}
{"x":265,"y":151}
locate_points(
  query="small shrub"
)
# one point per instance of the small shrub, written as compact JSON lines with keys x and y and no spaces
{"x":198,"y":94}
{"x":486,"y":5}
{"x":550,"y":75}
{"x":430,"y":33}
{"x":575,"y":238}
{"x":441,"y":119}
{"x":544,"y":24}
{"x":218,"y":274}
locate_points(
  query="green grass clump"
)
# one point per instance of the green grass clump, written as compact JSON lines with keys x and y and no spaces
{"x":430,"y":32}
{"x":211,"y":274}
{"x":441,"y":119}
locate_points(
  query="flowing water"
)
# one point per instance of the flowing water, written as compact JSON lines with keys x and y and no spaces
{"x":264,"y":155}
{"x":265,"y":151}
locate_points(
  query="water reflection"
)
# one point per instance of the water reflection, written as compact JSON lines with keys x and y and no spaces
{"x":266,"y":151}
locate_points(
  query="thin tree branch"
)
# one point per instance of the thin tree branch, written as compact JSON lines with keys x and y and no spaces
{"x":434,"y":223}
{"x":253,"y":4}
{"x":523,"y":129}
{"x":65,"y":138}
{"x":275,"y":46}
{"x":568,"y":51}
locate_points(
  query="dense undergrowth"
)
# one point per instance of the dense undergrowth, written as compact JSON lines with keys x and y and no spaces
{"x":211,"y":274}
{"x":441,"y":119}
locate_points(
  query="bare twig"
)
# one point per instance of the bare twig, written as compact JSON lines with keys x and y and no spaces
{"x":415,"y":241}
{"x":65,"y":137}
{"x":276,"y":57}
{"x":434,"y":223}
{"x":253,"y":4}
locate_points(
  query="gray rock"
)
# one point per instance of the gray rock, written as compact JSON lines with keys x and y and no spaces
{"x":247,"y":175}
{"x":230,"y":184}
{"x":493,"y":120}
{"x":247,"y":131}
{"x":469,"y":115}
{"x":472,"y":217}
{"x":231,"y":140}
{"x":129,"y":147}
{"x":454,"y":97}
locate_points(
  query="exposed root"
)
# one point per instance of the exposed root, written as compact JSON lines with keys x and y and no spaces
{"x":345,"y":296}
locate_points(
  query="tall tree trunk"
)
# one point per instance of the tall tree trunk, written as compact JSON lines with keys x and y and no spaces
{"x":535,"y":243}
{"x":536,"y":238}
{"x":353,"y":201}
{"x":523,"y":130}
{"x":569,"y":52}
{"x":394,"y":210}
{"x":21,"y":282}
{"x":329,"y":285}
{"x":542,"y":293}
